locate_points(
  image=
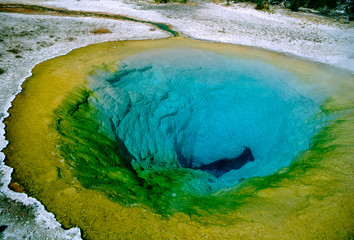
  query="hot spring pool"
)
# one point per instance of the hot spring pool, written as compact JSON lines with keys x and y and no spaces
{"x":196,"y":109}
{"x":176,"y":138}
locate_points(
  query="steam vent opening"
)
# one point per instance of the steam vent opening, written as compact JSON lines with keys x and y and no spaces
{"x":184,"y":108}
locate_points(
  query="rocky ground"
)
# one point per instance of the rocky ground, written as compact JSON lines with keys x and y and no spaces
{"x":306,"y":35}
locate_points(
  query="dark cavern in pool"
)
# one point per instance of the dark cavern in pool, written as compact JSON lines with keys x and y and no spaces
{"x":222,"y":166}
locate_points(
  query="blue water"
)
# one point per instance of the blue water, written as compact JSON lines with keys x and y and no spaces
{"x":173,"y":105}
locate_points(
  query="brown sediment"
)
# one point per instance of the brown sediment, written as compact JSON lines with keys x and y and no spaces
{"x":41,"y":10}
{"x":101,"y":31}
{"x":14,"y":186}
{"x":315,"y":204}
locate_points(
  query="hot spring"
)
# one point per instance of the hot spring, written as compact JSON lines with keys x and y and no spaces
{"x":185,"y":108}
{"x":184,"y":139}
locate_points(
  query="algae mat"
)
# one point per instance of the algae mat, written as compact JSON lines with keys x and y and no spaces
{"x":51,"y":126}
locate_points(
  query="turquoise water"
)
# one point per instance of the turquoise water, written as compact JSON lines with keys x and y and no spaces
{"x":177,"y":108}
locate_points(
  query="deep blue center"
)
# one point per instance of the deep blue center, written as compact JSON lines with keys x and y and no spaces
{"x":231,"y":117}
